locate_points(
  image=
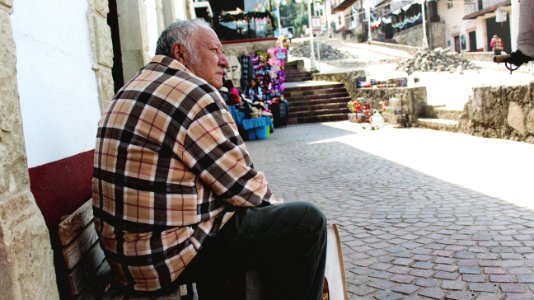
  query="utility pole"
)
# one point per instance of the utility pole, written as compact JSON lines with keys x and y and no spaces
{"x":423,"y":12}
{"x":312,"y":52}
{"x":368,"y":12}
{"x":279,"y":19}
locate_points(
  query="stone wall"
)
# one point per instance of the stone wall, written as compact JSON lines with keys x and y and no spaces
{"x":26,"y":259}
{"x":436,"y":36}
{"x":347,"y":78}
{"x":240,"y":48}
{"x":410,"y":49}
{"x":480,"y":56}
{"x":102,"y":47}
{"x":413,"y":36}
{"x":414,"y":99}
{"x":500,"y":112}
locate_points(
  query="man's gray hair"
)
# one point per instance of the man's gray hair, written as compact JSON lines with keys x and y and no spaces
{"x":179,"y":32}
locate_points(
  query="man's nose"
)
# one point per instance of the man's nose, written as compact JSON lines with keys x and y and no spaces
{"x":223,"y":61}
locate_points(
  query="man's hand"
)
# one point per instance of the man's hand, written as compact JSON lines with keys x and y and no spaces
{"x":276,"y":201}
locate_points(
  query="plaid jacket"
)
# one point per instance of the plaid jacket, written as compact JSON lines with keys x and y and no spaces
{"x":169,"y":168}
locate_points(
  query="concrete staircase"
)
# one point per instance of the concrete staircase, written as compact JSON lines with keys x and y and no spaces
{"x":316,"y":101}
{"x":293,"y":74}
{"x":441,"y":118}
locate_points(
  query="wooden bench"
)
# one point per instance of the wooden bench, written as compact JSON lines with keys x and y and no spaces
{"x":89,"y":275}
{"x":88,"y":272}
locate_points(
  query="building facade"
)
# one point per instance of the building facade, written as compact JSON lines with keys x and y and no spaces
{"x":462,"y":26}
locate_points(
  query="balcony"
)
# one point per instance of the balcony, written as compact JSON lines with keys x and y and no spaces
{"x":473,"y":13}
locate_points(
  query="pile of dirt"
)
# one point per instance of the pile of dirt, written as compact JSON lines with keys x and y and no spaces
{"x":437,"y":60}
{"x":327,"y":52}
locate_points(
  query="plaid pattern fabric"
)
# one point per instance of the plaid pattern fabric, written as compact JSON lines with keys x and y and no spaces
{"x":169,"y":168}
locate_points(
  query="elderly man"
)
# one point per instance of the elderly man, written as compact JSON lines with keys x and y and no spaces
{"x":175,"y":194}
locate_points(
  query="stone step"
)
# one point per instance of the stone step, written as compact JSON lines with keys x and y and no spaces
{"x":319,"y":112}
{"x":319,"y":90}
{"x":438,"y":124}
{"x":295,"y":71}
{"x":339,"y":94}
{"x":320,"y":101}
{"x":318,"y":118}
{"x":291,"y":67}
{"x":340,"y":106}
{"x":316,"y":101}
{"x":298,"y":79}
{"x":311,"y":85}
{"x":294,"y":75}
{"x":447,"y":114}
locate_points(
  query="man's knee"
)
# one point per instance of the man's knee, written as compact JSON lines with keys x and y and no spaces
{"x":310,"y":214}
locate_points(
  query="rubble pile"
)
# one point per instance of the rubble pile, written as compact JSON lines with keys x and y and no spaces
{"x":327,"y":52}
{"x":437,"y":60}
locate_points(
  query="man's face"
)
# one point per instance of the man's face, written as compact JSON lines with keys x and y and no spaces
{"x":210,"y":62}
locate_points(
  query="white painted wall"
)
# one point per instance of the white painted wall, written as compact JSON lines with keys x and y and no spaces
{"x":453,"y":21}
{"x":482,"y":34}
{"x":152,"y":26}
{"x":180,"y":9}
{"x":57,"y":87}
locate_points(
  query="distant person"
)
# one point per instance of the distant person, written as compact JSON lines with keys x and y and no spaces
{"x":290,"y":36}
{"x":332,"y":28}
{"x":282,"y":42}
{"x":496,"y":45}
{"x":253,"y":91}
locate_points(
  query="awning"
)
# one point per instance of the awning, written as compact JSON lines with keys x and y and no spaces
{"x":341,"y":7}
{"x":486,"y":10}
{"x":226,"y":5}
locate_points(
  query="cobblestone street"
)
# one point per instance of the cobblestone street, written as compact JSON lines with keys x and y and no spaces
{"x":422,"y":214}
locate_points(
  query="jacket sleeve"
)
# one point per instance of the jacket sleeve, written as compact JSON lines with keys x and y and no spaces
{"x":215,"y":152}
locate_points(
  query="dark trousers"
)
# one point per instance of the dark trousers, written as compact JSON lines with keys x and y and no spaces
{"x":497,"y":51}
{"x":285,"y":243}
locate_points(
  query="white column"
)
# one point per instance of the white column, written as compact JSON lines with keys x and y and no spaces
{"x":133,"y":36}
{"x":514,"y":23}
{"x":312,"y":53}
{"x":525,"y":37}
{"x":423,"y":12}
{"x":279,"y":19}
{"x":368,"y":12}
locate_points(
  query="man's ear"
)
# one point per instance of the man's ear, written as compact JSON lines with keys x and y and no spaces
{"x":178,"y":52}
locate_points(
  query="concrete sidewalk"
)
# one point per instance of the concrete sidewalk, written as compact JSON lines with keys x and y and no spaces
{"x":423,"y":214}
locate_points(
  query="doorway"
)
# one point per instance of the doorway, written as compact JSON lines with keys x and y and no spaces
{"x":501,"y":29}
{"x":113,"y":22}
{"x":472,"y":41}
{"x":457,"y":46}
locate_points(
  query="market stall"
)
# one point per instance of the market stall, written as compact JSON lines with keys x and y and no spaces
{"x":260,"y":105}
